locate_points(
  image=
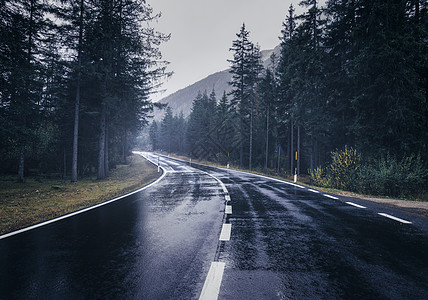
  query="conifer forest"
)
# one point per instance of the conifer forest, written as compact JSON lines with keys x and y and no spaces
{"x":75,"y":83}
{"x":345,"y":101}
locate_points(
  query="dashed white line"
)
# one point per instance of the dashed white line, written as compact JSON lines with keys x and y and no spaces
{"x":228,"y":210}
{"x":329,"y":196}
{"x":313,"y":191}
{"x":356,"y":205}
{"x":227,"y":197}
{"x":225,"y":232}
{"x":212,"y":283}
{"x":394,"y":218}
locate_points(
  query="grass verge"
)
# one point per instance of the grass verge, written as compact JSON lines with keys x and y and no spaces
{"x":32,"y":202}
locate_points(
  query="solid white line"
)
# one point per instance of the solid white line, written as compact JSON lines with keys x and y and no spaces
{"x":329,"y":196}
{"x":356,"y":205}
{"x":227,"y":197}
{"x":82,"y":210}
{"x":395,"y":218}
{"x":228,"y":210}
{"x":313,"y":191}
{"x":225,"y":232}
{"x":212,"y":283}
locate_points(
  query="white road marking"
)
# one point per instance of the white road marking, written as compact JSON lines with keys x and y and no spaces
{"x":356,"y":205}
{"x":224,"y":187}
{"x":212,"y":283}
{"x":227,"y":197}
{"x":313,"y":191}
{"x":180,"y":171}
{"x":228,"y":210}
{"x":225,"y":232}
{"x":395,"y":218}
{"x":329,"y":196}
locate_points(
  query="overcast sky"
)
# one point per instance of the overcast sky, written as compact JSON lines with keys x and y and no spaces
{"x":202,"y":32}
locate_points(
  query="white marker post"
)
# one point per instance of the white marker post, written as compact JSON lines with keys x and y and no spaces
{"x":158,"y":165}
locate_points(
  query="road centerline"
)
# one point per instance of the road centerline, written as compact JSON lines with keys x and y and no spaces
{"x":394,"y":218}
{"x":225,"y":232}
{"x":331,"y":197}
{"x":211,"y":287}
{"x":356,"y":205}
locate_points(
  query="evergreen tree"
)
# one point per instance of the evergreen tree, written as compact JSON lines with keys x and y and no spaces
{"x":21,"y":53}
{"x":154,"y":136}
{"x":245,"y":69}
{"x":268,"y":90}
{"x":167,"y":131}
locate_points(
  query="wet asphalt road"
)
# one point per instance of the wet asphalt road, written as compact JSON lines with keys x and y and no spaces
{"x":286,"y":242}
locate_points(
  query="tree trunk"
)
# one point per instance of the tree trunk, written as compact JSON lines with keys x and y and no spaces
{"x":106,"y":155}
{"x":21,"y":164}
{"x":23,"y":111}
{"x":298,"y":150}
{"x":77,"y":100}
{"x":312,"y":151}
{"x":267,"y":139}
{"x":251,"y":137}
{"x":125,"y":146}
{"x":291,"y":148}
{"x":65,"y":164}
{"x":241,"y":148}
{"x":101,"y":145}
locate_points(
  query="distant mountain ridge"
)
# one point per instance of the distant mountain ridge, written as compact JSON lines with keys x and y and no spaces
{"x":181,"y":100}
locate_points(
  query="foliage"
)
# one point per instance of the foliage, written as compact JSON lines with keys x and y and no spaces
{"x":393,"y":177}
{"x":387,"y":176}
{"x":343,"y":170}
{"x":319,"y":177}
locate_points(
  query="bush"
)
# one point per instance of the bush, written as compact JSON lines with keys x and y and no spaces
{"x":391,"y":177}
{"x":344,"y":168}
{"x":387,"y":176}
{"x":319,"y":177}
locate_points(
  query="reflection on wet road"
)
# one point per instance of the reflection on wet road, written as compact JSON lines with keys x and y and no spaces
{"x":156,"y":244}
{"x":222,"y":233}
{"x":290,"y":242}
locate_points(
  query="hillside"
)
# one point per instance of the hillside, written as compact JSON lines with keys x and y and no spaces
{"x":181,"y":101}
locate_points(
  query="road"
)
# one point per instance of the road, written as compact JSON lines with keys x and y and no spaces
{"x":214,"y":232}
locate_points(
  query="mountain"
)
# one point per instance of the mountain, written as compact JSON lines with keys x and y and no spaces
{"x":181,"y":101}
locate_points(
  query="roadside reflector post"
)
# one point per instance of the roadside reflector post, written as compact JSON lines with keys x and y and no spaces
{"x":295,"y":175}
{"x":158,"y":165}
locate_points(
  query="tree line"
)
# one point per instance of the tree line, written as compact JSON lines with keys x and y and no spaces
{"x":351,"y":73}
{"x":75,"y":81}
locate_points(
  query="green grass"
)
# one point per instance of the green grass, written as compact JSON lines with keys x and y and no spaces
{"x":35,"y":201}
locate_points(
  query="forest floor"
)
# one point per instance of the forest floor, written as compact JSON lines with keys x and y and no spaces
{"x":420,"y":203}
{"x":38,"y":200}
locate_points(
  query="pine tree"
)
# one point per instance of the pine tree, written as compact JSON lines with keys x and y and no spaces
{"x":268,"y":90}
{"x":245,"y":69}
{"x":21,"y":54}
